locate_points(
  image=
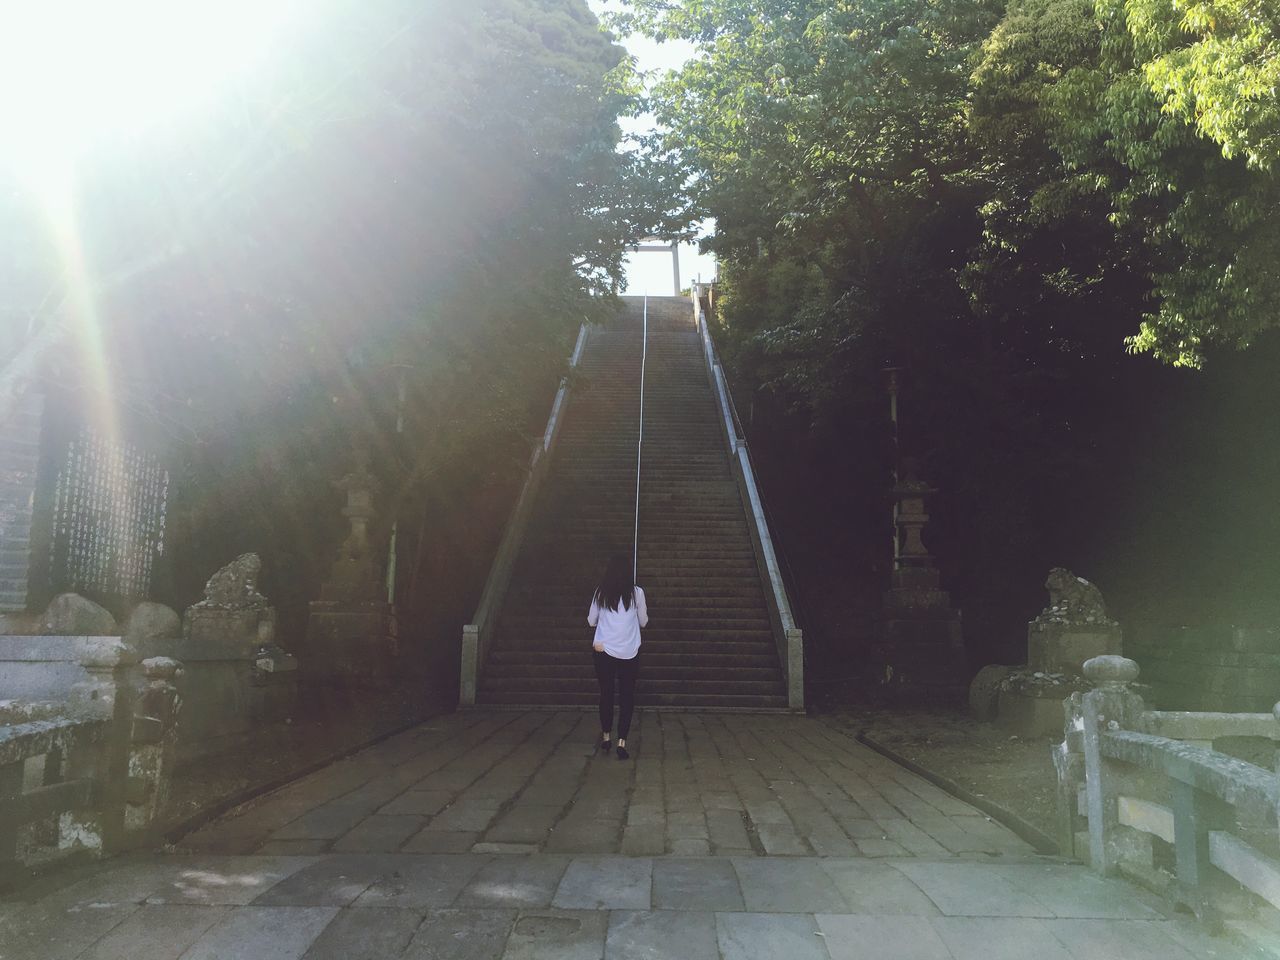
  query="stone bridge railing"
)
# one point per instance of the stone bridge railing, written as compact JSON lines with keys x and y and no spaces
{"x":88,"y":775}
{"x":1144,"y":793}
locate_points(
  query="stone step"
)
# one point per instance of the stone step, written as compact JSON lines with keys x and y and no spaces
{"x":705,"y":701}
{"x":658,"y":624}
{"x":668,"y":674}
{"x":662,"y":639}
{"x":669,"y":587}
{"x":709,"y":631}
{"x":658,"y":658}
{"x":574,"y":645}
{"x":571,"y":607}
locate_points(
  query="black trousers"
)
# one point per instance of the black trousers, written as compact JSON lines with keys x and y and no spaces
{"x":624,"y":671}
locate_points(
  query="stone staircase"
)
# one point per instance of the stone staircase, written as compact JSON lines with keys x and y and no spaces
{"x":709,"y":642}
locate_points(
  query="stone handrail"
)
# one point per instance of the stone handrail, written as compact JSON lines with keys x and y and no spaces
{"x":1207,"y":727}
{"x":787,"y":633}
{"x":57,"y":817}
{"x":1132,"y":777}
{"x":1249,"y":789}
{"x":92,"y":780}
{"x":478,"y":634}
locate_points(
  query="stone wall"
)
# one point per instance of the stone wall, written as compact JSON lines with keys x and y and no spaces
{"x":1230,"y":669}
{"x":41,"y":668}
{"x":19,"y":461}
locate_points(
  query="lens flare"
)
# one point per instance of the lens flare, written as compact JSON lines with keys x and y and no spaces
{"x":76,"y":73}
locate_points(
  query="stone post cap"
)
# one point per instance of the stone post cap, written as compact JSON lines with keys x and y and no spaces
{"x":105,"y":652}
{"x":1110,"y":670}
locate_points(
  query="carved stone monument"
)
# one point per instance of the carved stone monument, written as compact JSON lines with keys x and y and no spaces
{"x":1072,"y":628}
{"x":351,"y":633}
{"x":227,"y":644}
{"x":920,"y":647}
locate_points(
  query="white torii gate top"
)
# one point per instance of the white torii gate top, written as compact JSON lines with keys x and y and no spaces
{"x":659,"y":246}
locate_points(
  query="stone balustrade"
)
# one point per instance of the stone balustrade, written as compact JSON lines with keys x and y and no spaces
{"x":87,"y":776}
{"x":1145,"y":794}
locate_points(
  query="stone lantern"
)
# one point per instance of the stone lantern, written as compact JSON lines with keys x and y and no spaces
{"x":354,"y":576}
{"x":352,"y":635}
{"x":920,"y":648}
{"x":914,"y":582}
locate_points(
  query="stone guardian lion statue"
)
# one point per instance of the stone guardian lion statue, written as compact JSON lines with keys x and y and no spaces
{"x":235,"y":586}
{"x":1072,"y":599}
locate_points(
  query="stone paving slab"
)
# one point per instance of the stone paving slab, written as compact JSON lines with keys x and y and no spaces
{"x":558,"y":935}
{"x":426,"y":881}
{"x":521,"y":882}
{"x":457,"y":935}
{"x":856,"y":937}
{"x":788,"y":886}
{"x":154,"y":932}
{"x":334,"y":881}
{"x":662,"y":936}
{"x":264,"y":933}
{"x":606,"y":883}
{"x":384,"y":932}
{"x":765,"y":936}
{"x":1006,"y":938}
{"x":702,"y":885}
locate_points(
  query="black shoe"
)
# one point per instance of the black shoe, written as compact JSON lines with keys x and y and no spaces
{"x":622,"y":753}
{"x":606,"y":746}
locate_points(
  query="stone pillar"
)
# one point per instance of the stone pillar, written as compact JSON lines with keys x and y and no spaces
{"x":351,"y":633}
{"x":1068,"y":765}
{"x":153,"y":743}
{"x":1110,"y":705}
{"x":107,"y":694}
{"x":920,"y":648}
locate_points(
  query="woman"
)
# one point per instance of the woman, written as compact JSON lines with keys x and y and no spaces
{"x":617,"y":612}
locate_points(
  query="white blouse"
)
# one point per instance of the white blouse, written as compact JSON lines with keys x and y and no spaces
{"x":618,"y":631}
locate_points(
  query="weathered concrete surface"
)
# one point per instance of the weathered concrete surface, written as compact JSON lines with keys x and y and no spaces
{"x":732,"y":788}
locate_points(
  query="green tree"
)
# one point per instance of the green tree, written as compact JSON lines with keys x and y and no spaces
{"x":1158,"y":119}
{"x":1214,"y":64}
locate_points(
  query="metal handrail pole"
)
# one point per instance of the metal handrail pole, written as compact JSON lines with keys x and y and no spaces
{"x":644,"y":359}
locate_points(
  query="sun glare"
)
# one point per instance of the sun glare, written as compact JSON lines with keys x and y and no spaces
{"x":81,"y":78}
{"x":77,"y":73}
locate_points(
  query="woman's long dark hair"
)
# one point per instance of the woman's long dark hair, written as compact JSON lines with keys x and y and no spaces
{"x":616,"y":584}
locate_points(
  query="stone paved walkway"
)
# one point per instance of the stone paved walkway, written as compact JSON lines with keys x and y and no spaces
{"x":493,"y":835}
{"x":699,"y":784}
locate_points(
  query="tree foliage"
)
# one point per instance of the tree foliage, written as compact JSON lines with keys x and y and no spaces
{"x":1214,"y":64}
{"x":1000,"y":196}
{"x":1153,"y":121}
{"x":1186,"y":185}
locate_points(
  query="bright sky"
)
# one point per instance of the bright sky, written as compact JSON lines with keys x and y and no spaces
{"x":651,"y":272}
{"x":112,"y":93}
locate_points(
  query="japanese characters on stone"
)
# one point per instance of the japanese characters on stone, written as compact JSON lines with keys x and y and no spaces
{"x":108,"y":517}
